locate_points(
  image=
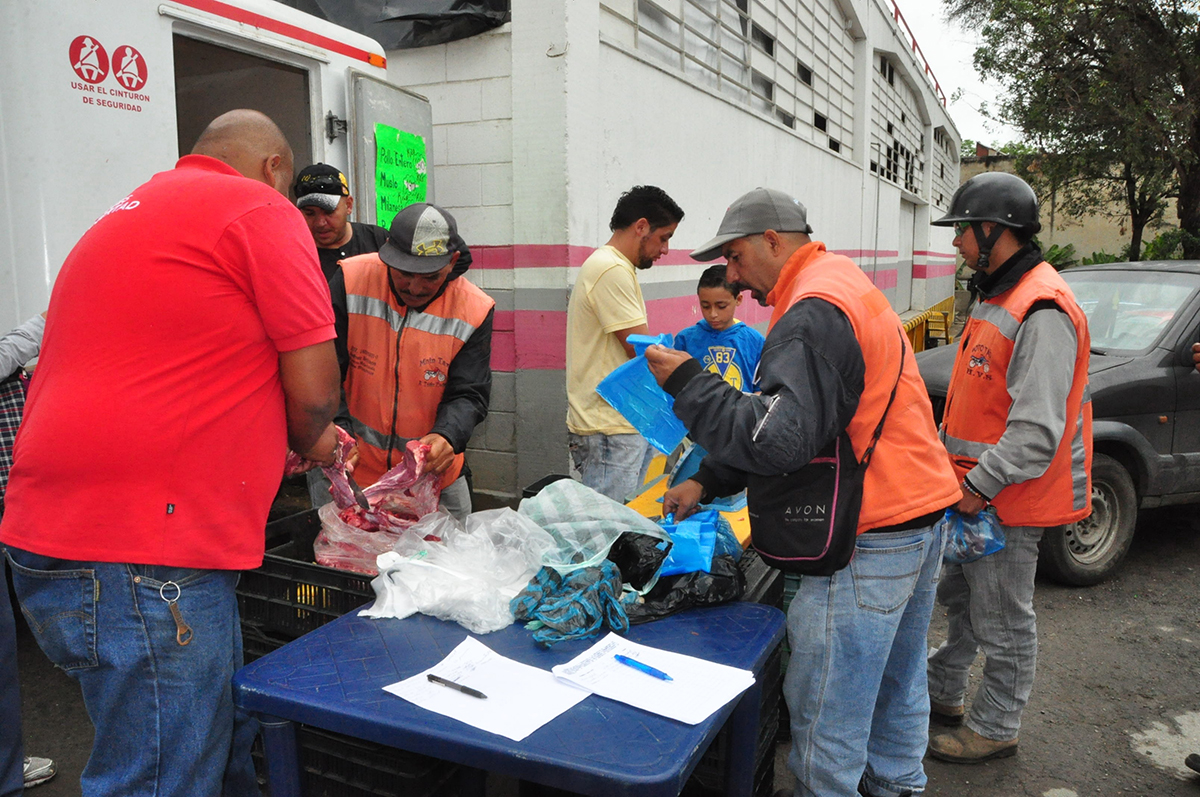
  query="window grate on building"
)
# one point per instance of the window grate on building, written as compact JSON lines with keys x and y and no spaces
{"x":945,"y":155}
{"x":897,"y":140}
{"x":791,"y":60}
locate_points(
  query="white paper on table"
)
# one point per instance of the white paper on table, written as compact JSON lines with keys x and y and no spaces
{"x":520,"y":698}
{"x":698,"y":688}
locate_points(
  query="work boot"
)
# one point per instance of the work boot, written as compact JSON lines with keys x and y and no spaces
{"x":944,"y":714}
{"x":964,"y":746}
{"x":38,"y":771}
{"x":1193,"y":762}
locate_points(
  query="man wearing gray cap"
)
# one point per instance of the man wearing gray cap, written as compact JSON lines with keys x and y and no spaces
{"x":414,"y":342}
{"x":835,"y":370}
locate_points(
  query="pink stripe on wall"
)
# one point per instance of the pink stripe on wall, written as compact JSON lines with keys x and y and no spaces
{"x":543,"y":337}
{"x":932,"y":270}
{"x":560,"y":255}
{"x":885,"y":278}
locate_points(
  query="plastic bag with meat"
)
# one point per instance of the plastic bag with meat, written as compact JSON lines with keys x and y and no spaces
{"x":351,"y":537}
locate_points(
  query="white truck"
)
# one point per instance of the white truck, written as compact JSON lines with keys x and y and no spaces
{"x":98,"y":95}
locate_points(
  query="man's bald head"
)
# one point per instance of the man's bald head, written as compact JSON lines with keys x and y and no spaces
{"x":251,"y":143}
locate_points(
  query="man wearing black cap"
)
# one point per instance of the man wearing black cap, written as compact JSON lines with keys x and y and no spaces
{"x":835,"y":368}
{"x":323,"y":196}
{"x":1017,"y":426}
{"x":414,"y":345}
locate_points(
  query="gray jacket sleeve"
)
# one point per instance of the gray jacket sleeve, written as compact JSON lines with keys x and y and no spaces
{"x":1039,"y":380}
{"x":811,"y":374}
{"x":21,"y":345}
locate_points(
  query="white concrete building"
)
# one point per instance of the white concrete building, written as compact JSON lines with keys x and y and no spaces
{"x":540,"y":125}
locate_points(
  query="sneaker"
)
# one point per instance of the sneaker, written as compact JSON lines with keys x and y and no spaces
{"x":964,"y":746}
{"x":38,"y":771}
{"x":945,"y":714}
{"x":1193,"y":762}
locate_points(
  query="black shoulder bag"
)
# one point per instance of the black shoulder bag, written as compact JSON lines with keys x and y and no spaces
{"x":807,"y":521}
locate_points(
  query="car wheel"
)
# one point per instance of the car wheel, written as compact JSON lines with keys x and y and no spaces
{"x":1090,"y":551}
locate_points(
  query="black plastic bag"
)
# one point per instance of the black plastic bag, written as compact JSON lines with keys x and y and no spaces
{"x":404,"y":24}
{"x":725,"y":582}
{"x":638,"y":557}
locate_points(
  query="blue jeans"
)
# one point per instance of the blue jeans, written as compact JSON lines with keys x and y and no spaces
{"x":163,"y":712}
{"x":12,"y":770}
{"x":990,"y":606}
{"x":611,"y":464}
{"x":855,"y":683}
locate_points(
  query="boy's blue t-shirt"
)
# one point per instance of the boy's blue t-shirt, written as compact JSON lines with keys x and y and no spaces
{"x":732,"y":354}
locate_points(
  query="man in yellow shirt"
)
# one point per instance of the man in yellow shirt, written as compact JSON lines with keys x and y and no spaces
{"x":606,"y":307}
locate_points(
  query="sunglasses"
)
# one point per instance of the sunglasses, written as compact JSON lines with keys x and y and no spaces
{"x":960,"y":228}
{"x":321,"y":184}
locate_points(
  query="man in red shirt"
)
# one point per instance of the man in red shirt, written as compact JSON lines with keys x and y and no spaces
{"x":189,"y":343}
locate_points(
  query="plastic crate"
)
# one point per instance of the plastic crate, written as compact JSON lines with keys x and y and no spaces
{"x":290,"y":594}
{"x":536,"y":487}
{"x":764,"y":584}
{"x":333,"y":765}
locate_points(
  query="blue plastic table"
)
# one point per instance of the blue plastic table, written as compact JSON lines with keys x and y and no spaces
{"x":333,"y":678}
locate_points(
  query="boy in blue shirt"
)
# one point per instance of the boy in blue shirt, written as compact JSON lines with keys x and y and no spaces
{"x":721,"y":343}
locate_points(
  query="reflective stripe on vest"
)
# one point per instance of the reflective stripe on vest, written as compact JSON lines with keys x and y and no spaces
{"x":400,"y":360}
{"x":978,"y":403}
{"x":909,"y":475}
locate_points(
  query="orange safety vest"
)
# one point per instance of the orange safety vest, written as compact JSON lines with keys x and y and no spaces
{"x":977,"y":404}
{"x":399,"y":361}
{"x":908,"y":476}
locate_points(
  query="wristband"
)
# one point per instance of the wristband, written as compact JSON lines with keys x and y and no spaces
{"x":970,"y":488}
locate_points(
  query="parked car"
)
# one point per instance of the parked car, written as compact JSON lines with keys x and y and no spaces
{"x":1143,"y":319}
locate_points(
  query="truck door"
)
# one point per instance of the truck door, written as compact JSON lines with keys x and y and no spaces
{"x":406,"y":139}
{"x":211,"y":79}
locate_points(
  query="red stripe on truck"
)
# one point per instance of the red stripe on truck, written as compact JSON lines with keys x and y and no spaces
{"x":282,"y":28}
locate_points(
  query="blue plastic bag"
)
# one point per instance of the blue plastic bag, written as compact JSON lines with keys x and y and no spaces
{"x":695,"y":541}
{"x":971,"y":537}
{"x":632,"y":391}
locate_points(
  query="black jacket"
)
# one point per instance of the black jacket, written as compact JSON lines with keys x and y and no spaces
{"x":811,"y":375}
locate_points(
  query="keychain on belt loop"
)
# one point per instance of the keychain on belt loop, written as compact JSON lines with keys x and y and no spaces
{"x":183,"y":631}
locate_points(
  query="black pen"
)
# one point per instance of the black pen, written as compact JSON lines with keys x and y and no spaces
{"x":466,"y":690}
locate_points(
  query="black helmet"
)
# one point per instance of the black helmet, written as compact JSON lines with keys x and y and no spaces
{"x":999,"y":197}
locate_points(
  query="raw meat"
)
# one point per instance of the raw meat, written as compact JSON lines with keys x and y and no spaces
{"x":351,"y":537}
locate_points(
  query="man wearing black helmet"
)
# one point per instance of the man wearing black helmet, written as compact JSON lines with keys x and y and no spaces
{"x":1017,"y":426}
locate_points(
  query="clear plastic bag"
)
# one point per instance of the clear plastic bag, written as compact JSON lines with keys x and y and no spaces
{"x":971,"y":537}
{"x":467,"y":575}
{"x":583,"y":523}
{"x":632,"y":391}
{"x":351,"y":537}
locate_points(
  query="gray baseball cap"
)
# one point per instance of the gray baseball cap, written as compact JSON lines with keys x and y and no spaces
{"x":422,"y":239}
{"x":756,"y":212}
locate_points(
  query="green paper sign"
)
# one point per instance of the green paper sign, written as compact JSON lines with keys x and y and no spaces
{"x":400,"y":172}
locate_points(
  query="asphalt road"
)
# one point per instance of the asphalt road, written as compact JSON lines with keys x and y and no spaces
{"x":1115,"y":709}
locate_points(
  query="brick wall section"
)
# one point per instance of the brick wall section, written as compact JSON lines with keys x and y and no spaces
{"x":469,"y":85}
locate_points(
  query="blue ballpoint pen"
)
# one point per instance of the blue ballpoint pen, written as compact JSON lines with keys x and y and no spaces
{"x":646,"y":668}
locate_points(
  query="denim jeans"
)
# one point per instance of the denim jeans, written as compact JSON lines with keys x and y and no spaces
{"x":611,"y":464}
{"x":163,"y":712}
{"x":990,"y":607}
{"x":855,"y":683}
{"x":12,"y":771}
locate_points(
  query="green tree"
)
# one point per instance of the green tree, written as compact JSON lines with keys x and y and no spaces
{"x":1108,"y":91}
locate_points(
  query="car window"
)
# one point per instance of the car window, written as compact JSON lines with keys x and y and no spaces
{"x":1128,"y":310}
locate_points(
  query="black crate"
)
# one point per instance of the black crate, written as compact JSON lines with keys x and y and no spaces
{"x":290,"y":594}
{"x":709,"y":775}
{"x":764,"y":584}
{"x":333,"y":765}
{"x":536,"y":487}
